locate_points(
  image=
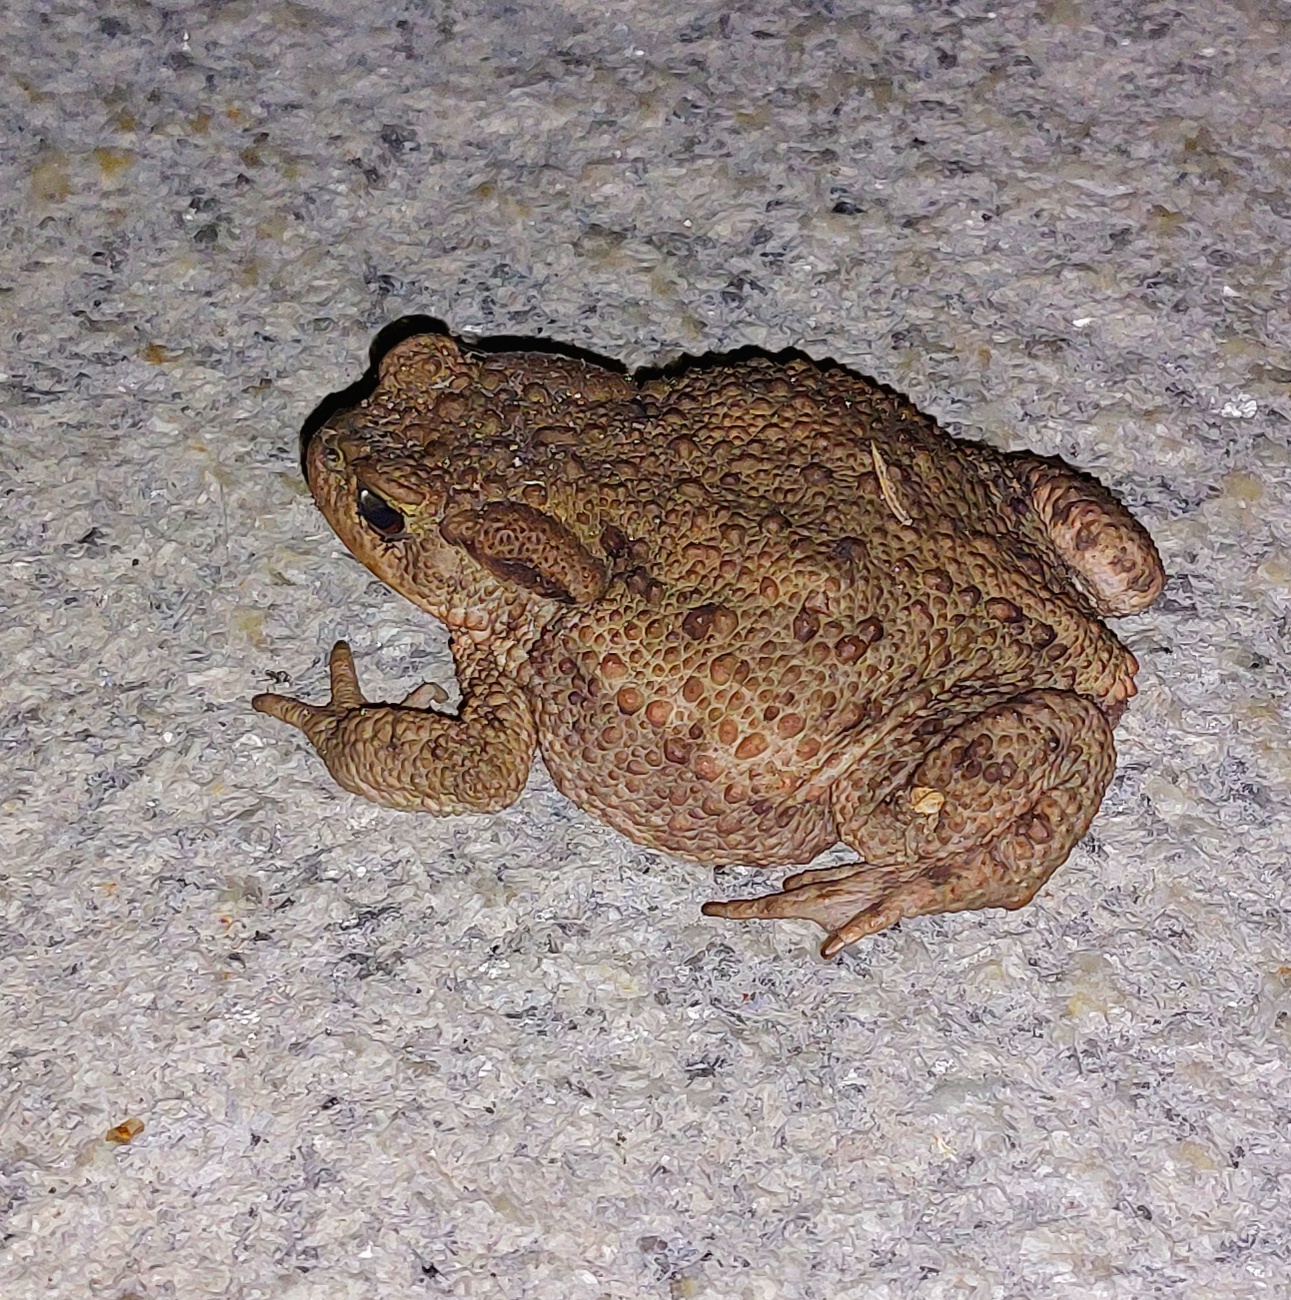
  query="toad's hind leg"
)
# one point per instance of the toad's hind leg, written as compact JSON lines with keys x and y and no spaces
{"x":985,"y":820}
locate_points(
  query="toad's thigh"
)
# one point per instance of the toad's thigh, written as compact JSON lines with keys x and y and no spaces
{"x":1032,"y":769}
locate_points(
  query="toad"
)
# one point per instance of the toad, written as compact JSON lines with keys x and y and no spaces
{"x":744,"y":609}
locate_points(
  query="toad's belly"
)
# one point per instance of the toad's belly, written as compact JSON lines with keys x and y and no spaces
{"x":652,"y":771}
{"x":671,"y":806}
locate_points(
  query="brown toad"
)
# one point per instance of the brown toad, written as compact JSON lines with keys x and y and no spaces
{"x":745,"y":610}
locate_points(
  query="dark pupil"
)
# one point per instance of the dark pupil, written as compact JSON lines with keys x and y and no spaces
{"x":381,"y":515}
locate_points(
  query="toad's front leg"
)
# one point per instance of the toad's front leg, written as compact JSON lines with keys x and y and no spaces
{"x":410,"y":757}
{"x":991,"y":812}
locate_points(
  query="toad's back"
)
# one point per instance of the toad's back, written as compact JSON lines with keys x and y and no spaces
{"x":811,"y":572}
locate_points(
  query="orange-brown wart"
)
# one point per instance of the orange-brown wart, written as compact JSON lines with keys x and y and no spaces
{"x":744,"y":610}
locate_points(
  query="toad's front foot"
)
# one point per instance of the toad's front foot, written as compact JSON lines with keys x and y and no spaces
{"x":410,"y":757}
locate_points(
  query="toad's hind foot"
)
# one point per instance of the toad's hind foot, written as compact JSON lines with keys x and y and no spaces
{"x":987,"y":818}
{"x":870,"y":899}
{"x":853,"y":900}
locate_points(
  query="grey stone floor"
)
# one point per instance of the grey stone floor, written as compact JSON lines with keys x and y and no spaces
{"x":380,"y":1055}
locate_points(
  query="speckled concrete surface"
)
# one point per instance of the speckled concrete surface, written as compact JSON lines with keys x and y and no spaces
{"x":380,"y":1055}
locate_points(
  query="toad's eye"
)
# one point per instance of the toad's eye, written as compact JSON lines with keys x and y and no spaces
{"x":379,"y":514}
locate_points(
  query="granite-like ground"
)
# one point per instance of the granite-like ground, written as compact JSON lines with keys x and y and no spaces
{"x":377,"y":1055}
